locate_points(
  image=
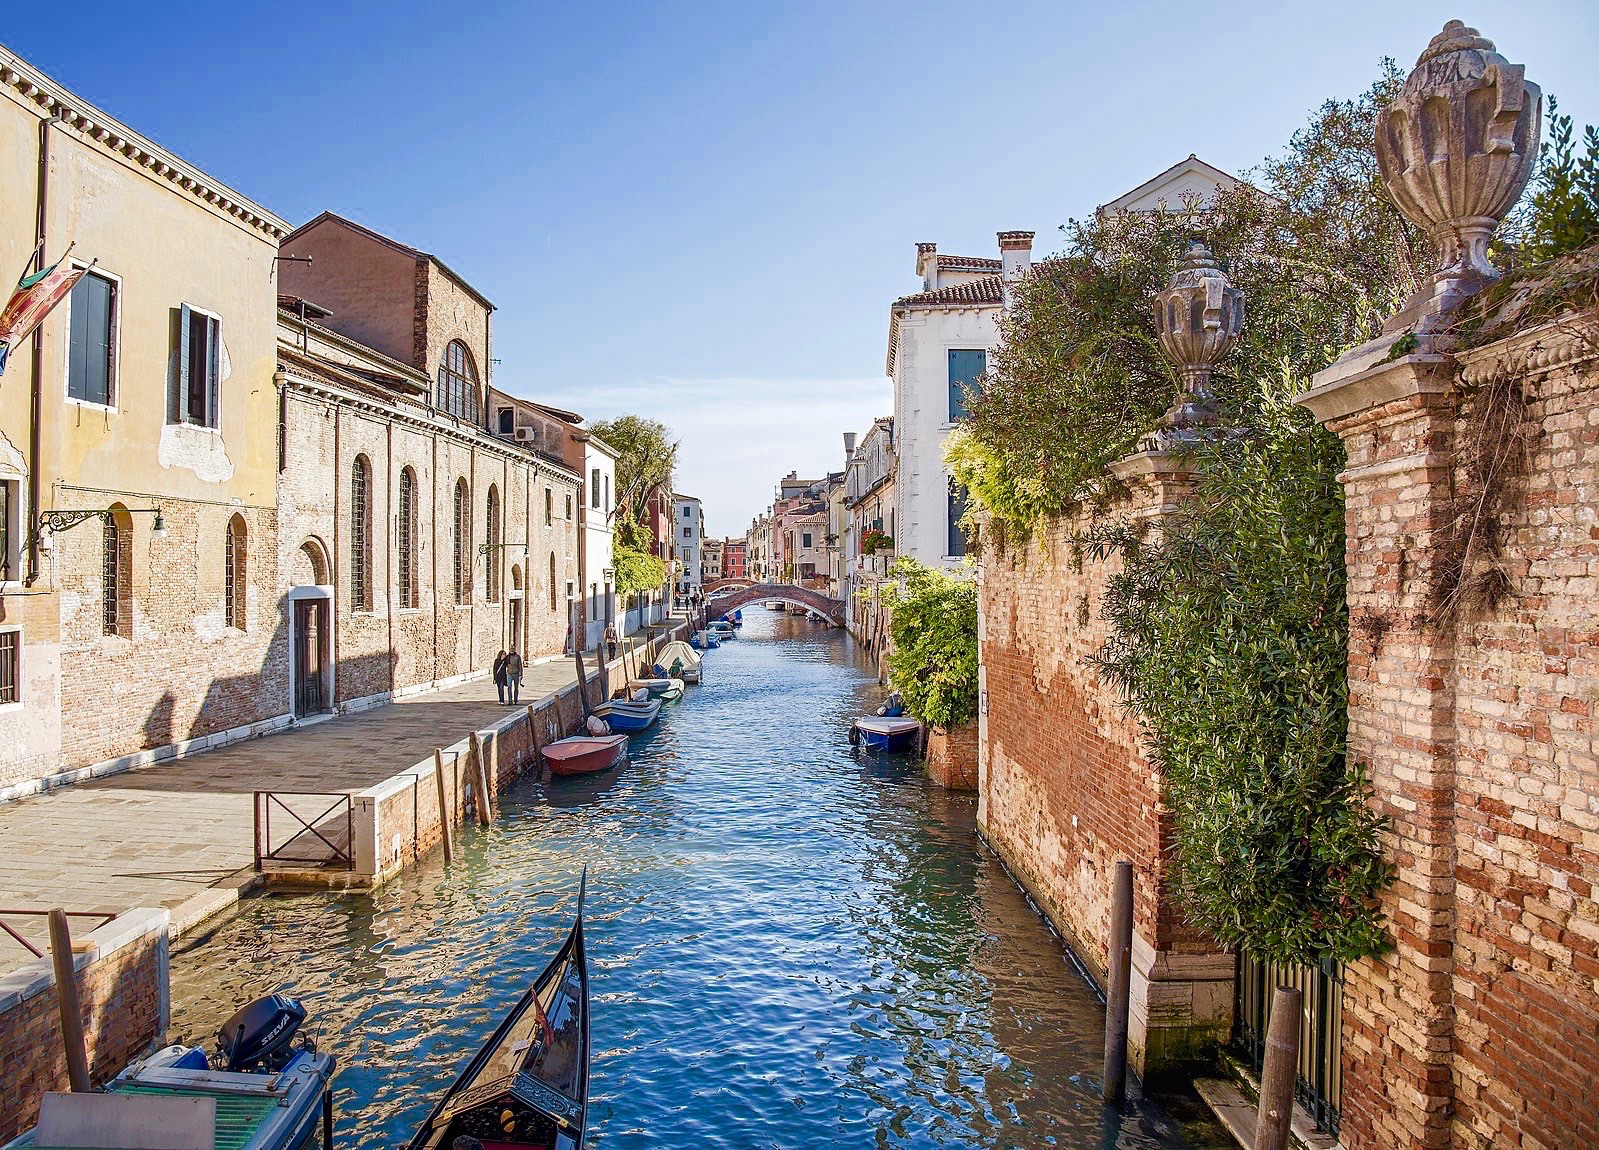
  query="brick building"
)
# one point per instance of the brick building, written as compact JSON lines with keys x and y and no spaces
{"x":414,"y":544}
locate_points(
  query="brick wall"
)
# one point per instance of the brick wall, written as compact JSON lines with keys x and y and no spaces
{"x":1066,"y":790}
{"x":952,"y":757}
{"x":1478,"y":1029}
{"x":122,"y":986}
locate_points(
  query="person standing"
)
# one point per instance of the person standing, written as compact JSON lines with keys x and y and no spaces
{"x":499,"y":676}
{"x":610,"y":640}
{"x":513,"y":674}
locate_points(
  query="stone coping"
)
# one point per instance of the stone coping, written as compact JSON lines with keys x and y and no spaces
{"x":127,"y":928}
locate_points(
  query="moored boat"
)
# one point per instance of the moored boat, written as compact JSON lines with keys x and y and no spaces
{"x":883,"y":733}
{"x":667,"y":687}
{"x":528,"y":1085}
{"x":585,"y":754}
{"x":704,"y":641}
{"x":259,"y":1092}
{"x":723,"y":630}
{"x":622,"y":716}
{"x":677,"y":660}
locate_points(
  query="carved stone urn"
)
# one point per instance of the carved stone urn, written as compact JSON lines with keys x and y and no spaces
{"x":1198,"y":319}
{"x":1456,"y":148}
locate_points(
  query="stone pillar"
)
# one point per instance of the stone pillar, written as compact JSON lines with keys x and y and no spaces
{"x":1396,"y":419}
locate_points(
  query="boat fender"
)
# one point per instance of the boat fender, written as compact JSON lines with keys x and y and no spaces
{"x":854,"y":735}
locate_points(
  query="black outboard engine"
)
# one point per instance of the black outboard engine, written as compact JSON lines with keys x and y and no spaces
{"x":258,"y":1037}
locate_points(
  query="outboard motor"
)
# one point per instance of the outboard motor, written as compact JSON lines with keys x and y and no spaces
{"x":258,"y":1037}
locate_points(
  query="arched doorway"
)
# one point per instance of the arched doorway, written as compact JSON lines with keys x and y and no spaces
{"x":310,"y":632}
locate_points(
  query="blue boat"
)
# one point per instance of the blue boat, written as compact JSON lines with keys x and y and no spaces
{"x":885,"y":733}
{"x":704,"y":641}
{"x":261,"y":1092}
{"x":628,"y":717}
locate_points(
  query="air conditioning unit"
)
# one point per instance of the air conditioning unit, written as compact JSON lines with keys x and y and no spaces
{"x":527,"y":435}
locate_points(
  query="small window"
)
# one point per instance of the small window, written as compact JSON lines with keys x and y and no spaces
{"x":92,"y":343}
{"x":10,"y":536}
{"x":10,"y":667}
{"x":553,"y":605}
{"x":194,"y":395}
{"x":361,"y":535}
{"x":805,"y":539}
{"x":235,"y":572}
{"x":491,"y":539}
{"x":507,"y":421}
{"x":606,"y":505}
{"x":688,"y":533}
{"x":957,"y":508}
{"x":549,"y":510}
{"x":116,"y":586}
{"x":966,"y":369}
{"x":687,"y":514}
{"x":594,"y":488}
{"x":461,"y":524}
{"x":568,"y":506}
{"x":405,"y":538}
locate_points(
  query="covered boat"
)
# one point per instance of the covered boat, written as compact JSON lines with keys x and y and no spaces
{"x":666,"y":688}
{"x":704,"y":641}
{"x":882,"y":733}
{"x":678,"y":660}
{"x":585,"y":754}
{"x":529,"y":1084}
{"x":628,"y":716}
{"x":723,"y":630}
{"x":260,"y":1091}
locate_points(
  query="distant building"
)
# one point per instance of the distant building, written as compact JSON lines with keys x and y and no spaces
{"x":688,"y":518}
{"x":1190,"y":182}
{"x":711,"y":560}
{"x":758,"y":549}
{"x":870,"y":523}
{"x":735,"y":559}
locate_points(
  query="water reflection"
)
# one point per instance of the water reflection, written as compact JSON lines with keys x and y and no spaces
{"x":791,"y":946}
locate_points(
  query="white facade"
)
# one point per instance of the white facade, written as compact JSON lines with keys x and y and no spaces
{"x":688,"y":533}
{"x":599,"y":576}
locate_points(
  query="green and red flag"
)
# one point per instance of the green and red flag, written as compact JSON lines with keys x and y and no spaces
{"x":36,"y":297}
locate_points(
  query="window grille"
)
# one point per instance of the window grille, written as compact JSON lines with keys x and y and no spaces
{"x":234,"y":574}
{"x":360,"y":535}
{"x":457,"y":390}
{"x":407,"y":539}
{"x":492,"y":538}
{"x":10,"y":666}
{"x":462,"y":555}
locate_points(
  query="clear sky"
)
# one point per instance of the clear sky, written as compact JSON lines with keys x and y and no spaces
{"x":700,"y":212}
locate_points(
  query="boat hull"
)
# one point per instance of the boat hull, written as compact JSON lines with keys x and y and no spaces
{"x":585,"y":754}
{"x":629,"y":716}
{"x":887,"y":735}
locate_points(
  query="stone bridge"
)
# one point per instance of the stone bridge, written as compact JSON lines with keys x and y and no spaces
{"x":717,"y":586}
{"x":719,"y":603}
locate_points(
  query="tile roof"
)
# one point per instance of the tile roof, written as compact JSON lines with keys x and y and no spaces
{"x":967,"y":264}
{"x":981,"y":291}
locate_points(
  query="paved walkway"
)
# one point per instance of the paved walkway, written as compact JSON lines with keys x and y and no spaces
{"x":162,"y":835}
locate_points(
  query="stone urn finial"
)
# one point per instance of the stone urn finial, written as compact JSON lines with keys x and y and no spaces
{"x":1456,"y":147}
{"x":1198,"y":319}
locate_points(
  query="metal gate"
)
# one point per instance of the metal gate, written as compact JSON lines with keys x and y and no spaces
{"x":1320,"y":1083}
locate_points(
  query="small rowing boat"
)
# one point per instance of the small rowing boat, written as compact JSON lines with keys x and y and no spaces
{"x":622,"y":716}
{"x":529,"y":1084}
{"x":585,"y":754}
{"x":885,"y":734}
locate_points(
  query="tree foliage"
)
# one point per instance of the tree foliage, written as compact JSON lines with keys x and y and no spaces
{"x":1562,"y":213}
{"x":637,"y":570}
{"x":933,"y":628}
{"x":646,"y":459}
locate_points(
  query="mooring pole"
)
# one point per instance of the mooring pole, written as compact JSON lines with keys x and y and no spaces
{"x":1119,"y":964}
{"x":444,"y":804}
{"x":70,"y":1008}
{"x":1280,"y":1069}
{"x":480,"y":782}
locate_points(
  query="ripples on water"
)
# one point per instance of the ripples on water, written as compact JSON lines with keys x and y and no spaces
{"x":791,"y":945}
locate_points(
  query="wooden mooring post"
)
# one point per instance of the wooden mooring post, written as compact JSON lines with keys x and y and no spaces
{"x":444,"y":803}
{"x":67,"y":1002}
{"x":1278,"y":1072}
{"x":1118,"y":983}
{"x":480,"y":782}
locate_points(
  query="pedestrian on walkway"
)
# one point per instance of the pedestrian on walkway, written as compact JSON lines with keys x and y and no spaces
{"x":499,"y":675}
{"x":610,"y":640}
{"x":513,"y":674}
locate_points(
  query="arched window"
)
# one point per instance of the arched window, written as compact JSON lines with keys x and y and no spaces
{"x":116,"y":587}
{"x":235,"y":573}
{"x":361,"y":535}
{"x":406,"y":538}
{"x":458,"y":381}
{"x":462,"y":522}
{"x":491,"y":537}
{"x":553,"y":606}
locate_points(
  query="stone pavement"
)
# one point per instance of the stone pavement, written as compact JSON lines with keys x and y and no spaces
{"x":175,"y":835}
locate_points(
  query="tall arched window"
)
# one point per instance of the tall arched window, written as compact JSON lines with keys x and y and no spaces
{"x":361,"y":535}
{"x":491,"y":537}
{"x":235,"y":573}
{"x":462,"y":521}
{"x":458,"y":381}
{"x":406,"y":538}
{"x":553,"y":605}
{"x":116,"y":587}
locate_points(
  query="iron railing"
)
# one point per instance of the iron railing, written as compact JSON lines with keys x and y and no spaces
{"x":1319,"y":1083}
{"x":5,"y":926}
{"x":305,"y":830}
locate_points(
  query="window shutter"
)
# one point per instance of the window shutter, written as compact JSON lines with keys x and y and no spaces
{"x":180,"y":385}
{"x":214,"y":367}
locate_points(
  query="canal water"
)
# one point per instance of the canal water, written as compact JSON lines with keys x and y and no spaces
{"x":792,"y":945}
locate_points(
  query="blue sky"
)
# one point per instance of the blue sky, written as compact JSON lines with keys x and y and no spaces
{"x":701,"y":212}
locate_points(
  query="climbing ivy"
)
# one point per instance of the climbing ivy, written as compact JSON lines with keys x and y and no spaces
{"x":933,"y":629}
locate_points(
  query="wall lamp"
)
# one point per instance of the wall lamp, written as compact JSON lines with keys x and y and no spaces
{"x":51,"y":523}
{"x":483,"y":549}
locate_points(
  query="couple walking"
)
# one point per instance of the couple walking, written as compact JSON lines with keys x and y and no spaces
{"x":508,"y":675}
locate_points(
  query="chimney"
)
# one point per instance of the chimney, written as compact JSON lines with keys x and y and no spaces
{"x":927,"y":265}
{"x":1015,"y":259}
{"x":849,"y":445}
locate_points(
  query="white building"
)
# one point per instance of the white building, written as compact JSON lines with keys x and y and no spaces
{"x":688,"y":532}
{"x":1188,"y":182}
{"x":598,"y":536}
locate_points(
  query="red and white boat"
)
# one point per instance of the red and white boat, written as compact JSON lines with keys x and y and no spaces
{"x":585,"y":754}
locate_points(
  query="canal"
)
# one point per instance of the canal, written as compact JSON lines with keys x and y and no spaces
{"x":791,"y":945}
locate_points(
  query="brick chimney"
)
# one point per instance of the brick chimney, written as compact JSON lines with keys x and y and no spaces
{"x":1015,"y":258}
{"x":927,"y":265}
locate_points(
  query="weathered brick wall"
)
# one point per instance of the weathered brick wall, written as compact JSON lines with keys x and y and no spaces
{"x":122,"y":987}
{"x":1066,"y":789}
{"x":952,"y":757}
{"x":1478,"y":1028}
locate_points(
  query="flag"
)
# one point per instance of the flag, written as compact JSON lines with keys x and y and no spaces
{"x":36,"y":297}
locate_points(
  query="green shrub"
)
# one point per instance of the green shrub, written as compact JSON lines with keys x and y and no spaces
{"x":933,"y":629}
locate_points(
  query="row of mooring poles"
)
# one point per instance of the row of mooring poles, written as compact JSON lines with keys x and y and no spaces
{"x":1281,"y":1066}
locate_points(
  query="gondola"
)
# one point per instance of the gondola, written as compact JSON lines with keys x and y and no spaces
{"x":529,"y":1084}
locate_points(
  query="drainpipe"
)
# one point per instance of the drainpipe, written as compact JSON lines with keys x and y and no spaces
{"x":36,"y":399}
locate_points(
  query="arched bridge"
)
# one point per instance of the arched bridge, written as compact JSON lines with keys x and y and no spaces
{"x":718,"y":586}
{"x":721,"y":602}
